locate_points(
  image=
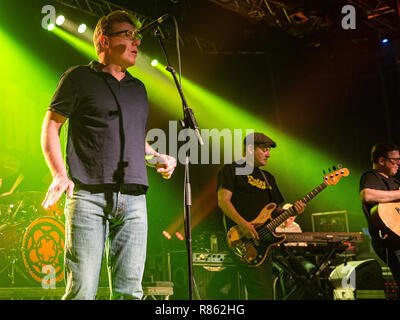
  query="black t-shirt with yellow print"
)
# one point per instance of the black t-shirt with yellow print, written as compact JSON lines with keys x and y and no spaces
{"x":250,"y":193}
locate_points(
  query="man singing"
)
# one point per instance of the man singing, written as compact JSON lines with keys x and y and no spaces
{"x":106,"y":179}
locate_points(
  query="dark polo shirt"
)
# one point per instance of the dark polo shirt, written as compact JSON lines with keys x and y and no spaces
{"x":107,"y":128}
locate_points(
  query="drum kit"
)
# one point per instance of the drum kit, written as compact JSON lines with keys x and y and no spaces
{"x":31,"y":238}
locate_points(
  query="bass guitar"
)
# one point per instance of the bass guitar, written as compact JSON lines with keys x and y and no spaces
{"x":253,"y":252}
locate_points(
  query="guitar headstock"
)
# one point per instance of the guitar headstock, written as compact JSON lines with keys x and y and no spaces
{"x":333,"y":177}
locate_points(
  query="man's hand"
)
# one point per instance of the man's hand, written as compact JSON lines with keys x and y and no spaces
{"x":299,"y":206}
{"x":248,"y":230}
{"x":165,"y":165}
{"x":59,"y":185}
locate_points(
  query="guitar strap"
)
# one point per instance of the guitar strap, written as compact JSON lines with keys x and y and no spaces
{"x":268,"y":185}
{"x":266,"y":181}
{"x":224,"y":222}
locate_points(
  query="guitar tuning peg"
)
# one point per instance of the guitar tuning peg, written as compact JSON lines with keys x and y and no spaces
{"x":324,"y":172}
{"x":329,"y":169}
{"x":334,"y":168}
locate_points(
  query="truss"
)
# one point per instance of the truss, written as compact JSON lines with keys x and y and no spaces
{"x":287,"y":15}
{"x":300,"y":17}
{"x":100,"y":8}
{"x":382,"y":16}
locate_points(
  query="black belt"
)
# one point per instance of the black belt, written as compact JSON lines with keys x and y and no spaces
{"x":131,"y":189}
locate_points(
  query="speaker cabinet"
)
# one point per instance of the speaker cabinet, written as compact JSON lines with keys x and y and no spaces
{"x":212,"y":283}
{"x":358,"y":279}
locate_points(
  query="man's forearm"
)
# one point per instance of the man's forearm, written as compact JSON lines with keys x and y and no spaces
{"x":150,"y":151}
{"x":51,"y":147}
{"x":230,"y":211}
{"x":372,"y":195}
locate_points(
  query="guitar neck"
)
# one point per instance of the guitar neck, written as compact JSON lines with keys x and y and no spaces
{"x":309,"y":196}
{"x":291,"y":211}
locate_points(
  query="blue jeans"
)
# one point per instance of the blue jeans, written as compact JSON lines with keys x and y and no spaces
{"x":90,"y":218}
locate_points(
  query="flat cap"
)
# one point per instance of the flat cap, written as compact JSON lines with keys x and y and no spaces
{"x":259,"y":138}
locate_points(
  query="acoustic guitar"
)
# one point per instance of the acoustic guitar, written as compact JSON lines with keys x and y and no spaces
{"x":385,"y":217}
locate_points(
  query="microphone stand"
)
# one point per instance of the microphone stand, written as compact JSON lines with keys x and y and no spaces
{"x":189,"y":121}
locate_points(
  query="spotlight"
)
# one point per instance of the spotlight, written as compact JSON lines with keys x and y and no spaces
{"x":60,"y":20}
{"x":385,"y":40}
{"x":82,"y":28}
{"x":51,"y":27}
{"x":179,"y":236}
{"x":167,"y":235}
{"x":154,"y":62}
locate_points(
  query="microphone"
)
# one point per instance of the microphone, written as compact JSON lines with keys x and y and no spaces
{"x":154,"y":23}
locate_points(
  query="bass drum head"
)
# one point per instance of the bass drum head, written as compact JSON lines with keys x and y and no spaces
{"x":43,"y":250}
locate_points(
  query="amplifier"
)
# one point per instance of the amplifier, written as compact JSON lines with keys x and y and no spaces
{"x":214,"y":275}
{"x":358,"y":280}
{"x":217,"y":259}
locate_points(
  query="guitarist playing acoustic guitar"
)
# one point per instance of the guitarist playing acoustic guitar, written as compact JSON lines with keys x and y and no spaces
{"x":242,"y":197}
{"x":380,"y":197}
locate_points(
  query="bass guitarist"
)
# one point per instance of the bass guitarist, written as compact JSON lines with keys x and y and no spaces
{"x":380,"y":186}
{"x":241,"y":198}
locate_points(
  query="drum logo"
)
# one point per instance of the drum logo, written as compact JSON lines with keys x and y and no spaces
{"x":42,"y":251}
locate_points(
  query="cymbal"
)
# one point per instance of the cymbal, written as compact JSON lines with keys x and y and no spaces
{"x":8,"y":165}
{"x":32,"y":199}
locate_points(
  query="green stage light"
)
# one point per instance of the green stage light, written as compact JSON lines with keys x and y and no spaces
{"x":154,"y":62}
{"x":29,"y":95}
{"x":82,"y":46}
{"x":51,"y":27}
{"x":213,"y":111}
{"x":60,"y":20}
{"x":82,"y":28}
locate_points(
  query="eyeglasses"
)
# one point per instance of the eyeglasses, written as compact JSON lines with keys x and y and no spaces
{"x":394,"y":160}
{"x":130,"y":35}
